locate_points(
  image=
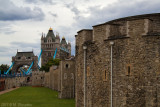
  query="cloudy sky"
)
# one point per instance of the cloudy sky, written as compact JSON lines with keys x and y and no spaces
{"x":23,"y":21}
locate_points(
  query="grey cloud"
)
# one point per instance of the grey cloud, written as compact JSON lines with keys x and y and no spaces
{"x":9,"y":11}
{"x":122,"y":8}
{"x":53,"y":14}
{"x":41,"y":1}
{"x":23,"y":45}
{"x":6,"y":29}
{"x":73,"y":8}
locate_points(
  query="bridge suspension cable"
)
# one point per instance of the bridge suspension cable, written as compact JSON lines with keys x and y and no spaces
{"x":9,"y":68}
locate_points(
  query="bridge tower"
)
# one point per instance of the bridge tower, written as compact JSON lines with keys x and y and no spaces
{"x":49,"y":43}
{"x":24,"y":58}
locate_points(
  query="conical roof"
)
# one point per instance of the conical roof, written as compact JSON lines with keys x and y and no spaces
{"x":63,"y":41}
{"x":50,"y":34}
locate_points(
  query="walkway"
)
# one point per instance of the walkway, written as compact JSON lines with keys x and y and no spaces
{"x":5,"y":91}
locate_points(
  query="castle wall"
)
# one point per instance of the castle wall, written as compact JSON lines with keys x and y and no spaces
{"x":46,"y":79}
{"x":67,"y":79}
{"x":15,"y":82}
{"x":38,"y":78}
{"x":54,"y":80}
{"x":135,"y":64}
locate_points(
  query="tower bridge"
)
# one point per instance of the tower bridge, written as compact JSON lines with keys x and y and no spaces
{"x":51,"y":47}
{"x":25,"y":58}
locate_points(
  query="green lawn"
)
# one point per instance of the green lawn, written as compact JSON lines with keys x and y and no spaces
{"x":34,"y":97}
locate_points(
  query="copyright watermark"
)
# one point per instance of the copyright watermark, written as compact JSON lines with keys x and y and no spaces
{"x":15,"y":105}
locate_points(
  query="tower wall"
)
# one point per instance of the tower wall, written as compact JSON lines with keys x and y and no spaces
{"x":136,"y":59}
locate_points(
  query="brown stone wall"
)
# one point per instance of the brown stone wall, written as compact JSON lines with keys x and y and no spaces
{"x":46,"y":79}
{"x":54,"y":74}
{"x":136,"y":57}
{"x":67,"y":79}
{"x":38,"y":78}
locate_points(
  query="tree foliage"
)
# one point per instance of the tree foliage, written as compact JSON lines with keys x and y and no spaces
{"x":49,"y":64}
{"x":4,"y":67}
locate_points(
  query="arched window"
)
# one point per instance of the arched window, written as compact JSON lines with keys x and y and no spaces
{"x":67,"y":66}
{"x":65,"y":75}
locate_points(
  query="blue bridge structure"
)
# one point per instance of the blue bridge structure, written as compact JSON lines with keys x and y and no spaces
{"x":26,"y":58}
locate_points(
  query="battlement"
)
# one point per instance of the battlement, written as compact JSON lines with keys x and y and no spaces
{"x":148,"y":24}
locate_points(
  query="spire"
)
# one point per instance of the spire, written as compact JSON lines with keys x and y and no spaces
{"x":42,"y":36}
{"x":57,"y":35}
{"x":63,"y":37}
{"x":69,"y":43}
{"x":51,"y":34}
{"x":63,"y":41}
{"x":50,"y":28}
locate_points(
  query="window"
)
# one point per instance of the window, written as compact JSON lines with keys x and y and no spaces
{"x":128,"y":70}
{"x":67,"y":66}
{"x":105,"y":76}
{"x":65,"y":76}
{"x":29,"y":57}
{"x":49,"y":54}
{"x":19,"y":57}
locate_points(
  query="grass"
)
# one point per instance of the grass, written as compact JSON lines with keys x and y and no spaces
{"x":34,"y":97}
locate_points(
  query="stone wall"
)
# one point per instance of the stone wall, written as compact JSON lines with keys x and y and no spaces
{"x":67,"y":79}
{"x":136,"y":57}
{"x":38,"y":78}
{"x":62,"y":78}
{"x":15,"y":82}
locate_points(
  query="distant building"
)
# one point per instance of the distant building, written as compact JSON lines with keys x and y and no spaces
{"x":24,"y":58}
{"x":50,"y":43}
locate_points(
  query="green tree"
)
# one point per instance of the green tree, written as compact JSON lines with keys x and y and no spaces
{"x":49,"y":64}
{"x":4,"y":67}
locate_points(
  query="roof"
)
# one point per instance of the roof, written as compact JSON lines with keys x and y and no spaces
{"x":26,"y":54}
{"x":50,"y":34}
{"x":63,"y":41}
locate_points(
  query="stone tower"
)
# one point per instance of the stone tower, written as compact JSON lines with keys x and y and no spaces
{"x":49,"y":43}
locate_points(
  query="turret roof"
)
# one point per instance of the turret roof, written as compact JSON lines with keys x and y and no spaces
{"x":50,"y":34}
{"x":26,"y":54}
{"x":63,"y":41}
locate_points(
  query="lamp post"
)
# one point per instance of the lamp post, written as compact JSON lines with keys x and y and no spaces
{"x":111,"y":43}
{"x":85,"y":49}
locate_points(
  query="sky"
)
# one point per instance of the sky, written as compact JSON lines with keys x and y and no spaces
{"x":23,"y":21}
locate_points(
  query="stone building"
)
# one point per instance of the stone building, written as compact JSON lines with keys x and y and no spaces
{"x":62,"y":78}
{"x":50,"y":43}
{"x":24,"y":58}
{"x":131,"y":45}
{"x":67,"y":78}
